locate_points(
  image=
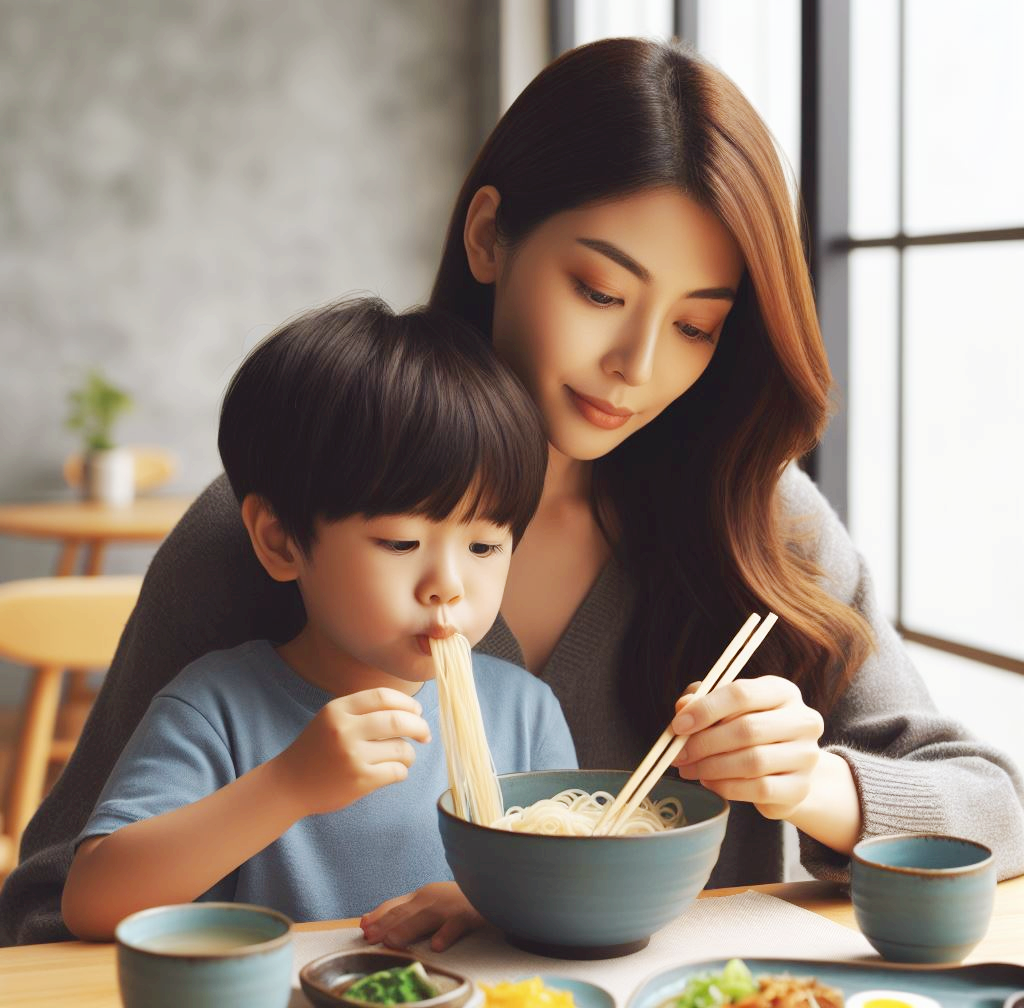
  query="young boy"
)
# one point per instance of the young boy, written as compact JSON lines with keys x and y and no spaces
{"x":388,"y":465}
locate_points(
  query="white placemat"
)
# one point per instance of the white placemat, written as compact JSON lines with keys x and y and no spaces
{"x":751,"y":925}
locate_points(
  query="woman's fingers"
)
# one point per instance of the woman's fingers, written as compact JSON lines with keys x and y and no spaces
{"x":739,"y":697}
{"x":774,"y":797}
{"x":747,"y":731}
{"x":754,"y":763}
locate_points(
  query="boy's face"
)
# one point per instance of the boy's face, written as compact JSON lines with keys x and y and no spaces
{"x":373,"y":588}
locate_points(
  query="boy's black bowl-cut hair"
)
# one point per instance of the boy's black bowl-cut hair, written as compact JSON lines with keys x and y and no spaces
{"x":351,"y":409}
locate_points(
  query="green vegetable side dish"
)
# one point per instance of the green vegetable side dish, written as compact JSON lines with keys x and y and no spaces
{"x":398,"y":985}
{"x":709,"y":990}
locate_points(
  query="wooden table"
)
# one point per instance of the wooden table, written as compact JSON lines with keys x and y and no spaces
{"x":81,"y":523}
{"x":85,"y":974}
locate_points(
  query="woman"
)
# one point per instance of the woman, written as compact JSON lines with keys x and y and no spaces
{"x":626,"y":239}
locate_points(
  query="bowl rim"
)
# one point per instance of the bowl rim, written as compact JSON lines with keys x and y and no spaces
{"x":860,"y":848}
{"x":642,"y":837}
{"x":256,"y":948}
{"x":307,"y":975}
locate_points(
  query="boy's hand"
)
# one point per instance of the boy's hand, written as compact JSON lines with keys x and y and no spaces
{"x":438,"y":909}
{"x":355,"y":745}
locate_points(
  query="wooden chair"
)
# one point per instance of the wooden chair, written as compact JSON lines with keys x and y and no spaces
{"x":50,"y":625}
{"x":153,"y":468}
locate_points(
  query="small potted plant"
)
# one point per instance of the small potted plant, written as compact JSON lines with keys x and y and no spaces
{"x":108,"y":472}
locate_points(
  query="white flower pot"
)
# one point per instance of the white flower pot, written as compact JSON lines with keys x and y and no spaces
{"x":110,"y":477}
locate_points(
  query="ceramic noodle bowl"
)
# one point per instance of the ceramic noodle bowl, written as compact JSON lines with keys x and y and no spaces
{"x":584,"y":897}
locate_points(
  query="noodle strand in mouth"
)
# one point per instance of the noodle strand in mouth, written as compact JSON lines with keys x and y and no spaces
{"x":476,"y":794}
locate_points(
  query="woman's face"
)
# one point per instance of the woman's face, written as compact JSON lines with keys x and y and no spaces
{"x":610,"y":312}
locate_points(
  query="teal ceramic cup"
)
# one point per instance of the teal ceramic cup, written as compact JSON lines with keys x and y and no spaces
{"x":205,"y":955}
{"x":583,"y":897}
{"x":922,"y":897}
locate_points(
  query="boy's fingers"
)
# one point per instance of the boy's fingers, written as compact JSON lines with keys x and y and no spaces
{"x":419,"y":923}
{"x":388,"y":724}
{"x":386,"y":907}
{"x":449,"y":933}
{"x":380,"y":699}
{"x":395,"y":750}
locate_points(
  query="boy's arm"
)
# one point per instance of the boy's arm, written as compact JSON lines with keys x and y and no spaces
{"x":177,"y":856}
{"x":175,"y":853}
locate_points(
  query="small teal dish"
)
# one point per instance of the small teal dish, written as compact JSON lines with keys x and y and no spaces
{"x":922,"y":897}
{"x":205,"y":955}
{"x":583,"y":897}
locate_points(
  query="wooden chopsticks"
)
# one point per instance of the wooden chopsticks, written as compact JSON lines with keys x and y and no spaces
{"x":669,"y":745}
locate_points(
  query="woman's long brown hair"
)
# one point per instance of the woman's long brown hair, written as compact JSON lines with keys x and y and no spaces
{"x":692,"y":497}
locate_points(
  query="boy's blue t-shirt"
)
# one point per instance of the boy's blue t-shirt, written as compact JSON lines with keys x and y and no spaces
{"x":232,"y":710}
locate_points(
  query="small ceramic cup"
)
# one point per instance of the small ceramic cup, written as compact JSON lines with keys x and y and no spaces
{"x":922,"y":897}
{"x":205,"y":955}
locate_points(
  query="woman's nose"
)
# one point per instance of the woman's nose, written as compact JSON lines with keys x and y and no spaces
{"x":632,"y":357}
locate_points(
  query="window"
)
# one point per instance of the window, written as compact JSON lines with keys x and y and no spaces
{"x":909,"y":143}
{"x":934,"y":250}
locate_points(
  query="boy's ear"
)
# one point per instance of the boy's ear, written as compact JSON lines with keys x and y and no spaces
{"x":480,"y":234}
{"x":274,"y":547}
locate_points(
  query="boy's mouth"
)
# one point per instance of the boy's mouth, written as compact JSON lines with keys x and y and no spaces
{"x":437,"y":632}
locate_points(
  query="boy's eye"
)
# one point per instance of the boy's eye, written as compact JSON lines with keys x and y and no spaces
{"x":691,"y":332}
{"x":484,"y":549}
{"x":398,"y":545}
{"x":595,"y":297}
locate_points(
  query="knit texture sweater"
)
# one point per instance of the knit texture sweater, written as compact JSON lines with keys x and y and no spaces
{"x":915,"y":769}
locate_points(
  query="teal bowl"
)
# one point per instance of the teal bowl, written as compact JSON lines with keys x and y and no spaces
{"x":583,"y":897}
{"x":205,"y":955}
{"x":922,"y":897}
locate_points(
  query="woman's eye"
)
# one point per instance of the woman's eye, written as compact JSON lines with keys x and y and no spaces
{"x":399,"y":545}
{"x":595,"y":296}
{"x":691,"y":332}
{"x":484,"y":549}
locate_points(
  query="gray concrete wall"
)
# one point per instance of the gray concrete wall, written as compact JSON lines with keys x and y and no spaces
{"x":178,"y":178}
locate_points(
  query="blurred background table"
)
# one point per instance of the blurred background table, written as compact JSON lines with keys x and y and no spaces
{"x":78,"y":524}
{"x":49,"y":724}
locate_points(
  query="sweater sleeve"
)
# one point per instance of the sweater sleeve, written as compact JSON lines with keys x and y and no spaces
{"x":203,"y":591}
{"x":915,"y":769}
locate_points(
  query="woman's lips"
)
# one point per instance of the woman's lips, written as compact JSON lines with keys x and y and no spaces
{"x":598,"y":412}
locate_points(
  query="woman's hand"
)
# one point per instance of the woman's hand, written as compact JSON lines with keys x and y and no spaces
{"x":752,"y":740}
{"x":438,"y":909}
{"x":355,"y":745}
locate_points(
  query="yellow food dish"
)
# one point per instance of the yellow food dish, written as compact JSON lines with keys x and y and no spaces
{"x":529,"y":993}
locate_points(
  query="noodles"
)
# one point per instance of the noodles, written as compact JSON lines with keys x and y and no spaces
{"x":575,"y":813}
{"x":476,"y":795}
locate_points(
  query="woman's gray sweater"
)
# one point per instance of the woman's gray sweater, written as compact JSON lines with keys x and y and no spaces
{"x":915,"y":769}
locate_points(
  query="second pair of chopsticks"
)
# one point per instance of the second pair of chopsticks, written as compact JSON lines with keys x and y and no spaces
{"x":669,"y":745}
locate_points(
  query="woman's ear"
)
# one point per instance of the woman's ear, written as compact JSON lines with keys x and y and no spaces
{"x":480,"y":234}
{"x":274,"y":547}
